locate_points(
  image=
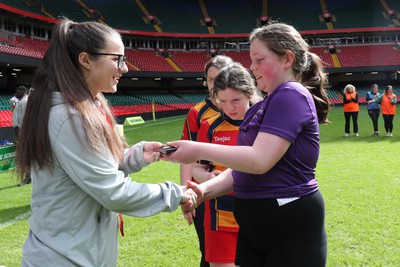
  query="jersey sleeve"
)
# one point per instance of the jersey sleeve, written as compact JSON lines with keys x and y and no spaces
{"x":190,"y":127}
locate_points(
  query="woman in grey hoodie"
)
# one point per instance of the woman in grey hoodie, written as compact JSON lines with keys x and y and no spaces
{"x":78,"y":161}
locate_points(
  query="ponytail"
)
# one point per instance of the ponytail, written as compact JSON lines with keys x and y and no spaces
{"x":316,"y":81}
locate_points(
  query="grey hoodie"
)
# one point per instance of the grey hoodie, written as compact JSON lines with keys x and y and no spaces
{"x":74,"y":204}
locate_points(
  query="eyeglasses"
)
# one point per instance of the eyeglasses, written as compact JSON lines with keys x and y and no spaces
{"x":121,"y":58}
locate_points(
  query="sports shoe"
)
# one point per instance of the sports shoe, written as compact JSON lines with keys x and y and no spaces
{"x":387,"y":134}
{"x":377,"y":133}
{"x":356,"y":134}
{"x":390,"y":134}
{"x":346,"y":135}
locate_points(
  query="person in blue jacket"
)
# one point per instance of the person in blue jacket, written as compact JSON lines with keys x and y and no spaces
{"x":374,"y":108}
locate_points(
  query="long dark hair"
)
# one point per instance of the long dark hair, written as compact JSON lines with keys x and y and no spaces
{"x":60,"y":71}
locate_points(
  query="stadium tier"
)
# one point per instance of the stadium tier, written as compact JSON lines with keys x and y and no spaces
{"x":227,"y":16}
{"x":174,"y":38}
{"x":193,"y":61}
{"x":369,"y":55}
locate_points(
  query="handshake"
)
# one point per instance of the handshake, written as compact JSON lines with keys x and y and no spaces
{"x":192,"y":197}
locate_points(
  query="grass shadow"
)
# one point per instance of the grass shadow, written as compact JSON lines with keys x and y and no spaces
{"x":13,"y":213}
{"x":8,"y":187}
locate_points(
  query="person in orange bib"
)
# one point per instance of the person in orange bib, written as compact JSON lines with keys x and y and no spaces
{"x":351,"y":109}
{"x":388,"y":102}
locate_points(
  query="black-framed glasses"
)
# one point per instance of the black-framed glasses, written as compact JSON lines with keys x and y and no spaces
{"x":121,"y":58}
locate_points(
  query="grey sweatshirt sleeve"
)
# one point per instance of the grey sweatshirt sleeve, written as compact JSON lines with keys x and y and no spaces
{"x":97,"y":174}
{"x":133,"y":160}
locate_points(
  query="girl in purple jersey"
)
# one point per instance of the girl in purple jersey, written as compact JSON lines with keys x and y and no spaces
{"x":277,"y":204}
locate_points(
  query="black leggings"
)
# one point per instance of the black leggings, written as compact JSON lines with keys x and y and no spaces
{"x":354,"y":116}
{"x":388,"y":120}
{"x":289,"y":235}
{"x":374,"y":115}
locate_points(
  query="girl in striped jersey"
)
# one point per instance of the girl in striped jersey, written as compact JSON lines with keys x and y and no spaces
{"x":234,"y":91}
{"x":200,"y":112}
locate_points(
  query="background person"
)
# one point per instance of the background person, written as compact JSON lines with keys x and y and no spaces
{"x":277,"y":203}
{"x":196,"y":115}
{"x":351,"y":109}
{"x":234,"y":90}
{"x":388,"y":102}
{"x":14,"y":100}
{"x":78,"y":161}
{"x":373,"y":108}
{"x":19,"y":114}
{"x":20,"y":92}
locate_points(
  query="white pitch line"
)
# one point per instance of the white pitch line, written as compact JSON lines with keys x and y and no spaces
{"x":16,"y":219}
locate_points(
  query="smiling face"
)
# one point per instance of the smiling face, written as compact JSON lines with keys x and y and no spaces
{"x":233,"y":103}
{"x":268,"y":67}
{"x":101,"y":71}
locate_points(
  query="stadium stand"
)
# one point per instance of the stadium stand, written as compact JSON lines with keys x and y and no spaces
{"x":176,"y":16}
{"x":324,"y":55}
{"x":70,"y":8}
{"x":5,"y":112}
{"x":358,"y":14}
{"x":148,"y":60}
{"x":113,"y":11}
{"x":237,"y":10}
{"x":242,"y":57}
{"x":23,"y":5}
{"x":191,"y":61}
{"x":184,"y":17}
{"x":172,"y":19}
{"x":334,"y":98}
{"x":369,"y":55}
